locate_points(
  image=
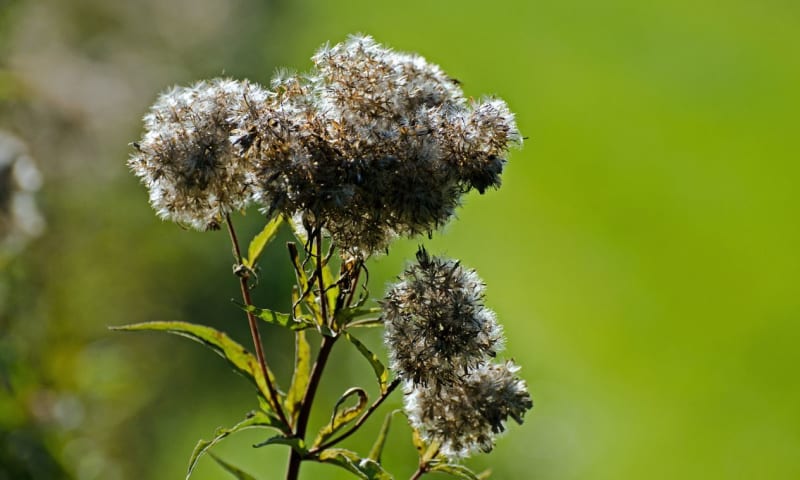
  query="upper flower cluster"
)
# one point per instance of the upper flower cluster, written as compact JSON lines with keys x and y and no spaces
{"x":371,"y":144}
{"x":441,"y":339}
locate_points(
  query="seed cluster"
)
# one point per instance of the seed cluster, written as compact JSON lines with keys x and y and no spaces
{"x":436,"y":324}
{"x":467,"y":416}
{"x":186,"y":158}
{"x":441,"y":339}
{"x":370,"y":145}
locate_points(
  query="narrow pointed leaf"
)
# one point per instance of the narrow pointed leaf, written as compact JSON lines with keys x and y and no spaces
{"x":373,"y":470}
{"x":344,"y":458}
{"x":237,"y":356}
{"x":366,"y":323}
{"x":302,"y":366}
{"x":235,"y":471}
{"x":344,"y":416}
{"x":426,"y":451}
{"x":347,"y":315}
{"x":456,"y":470}
{"x":299,"y":233}
{"x":280,"y":319}
{"x":297,"y":444}
{"x":363,"y":468}
{"x":380,"y":369}
{"x":377,"y":448}
{"x":331,"y":289}
{"x":431,"y":452}
{"x":256,"y":419}
{"x":261,"y":240}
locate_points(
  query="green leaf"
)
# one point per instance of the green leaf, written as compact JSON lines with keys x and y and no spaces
{"x":302,"y":280}
{"x":366,"y":323}
{"x":344,"y":317}
{"x":280,"y":319}
{"x":286,"y":321}
{"x":431,"y":452}
{"x":261,"y":240}
{"x":380,"y":370}
{"x":373,"y":470}
{"x":302,"y":366}
{"x":255,"y":419}
{"x":240,"y":359}
{"x":456,"y":470}
{"x":235,"y":471}
{"x":342,"y":417}
{"x":328,"y":281}
{"x":426,"y":451}
{"x":380,"y":441}
{"x":364,"y":468}
{"x":298,"y":231}
{"x":297,"y":444}
{"x":331,"y":289}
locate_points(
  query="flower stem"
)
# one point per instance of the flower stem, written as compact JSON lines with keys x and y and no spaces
{"x":243,"y":283}
{"x":308,"y":398}
{"x":323,"y":296}
{"x":420,"y":471}
{"x":314,"y":378}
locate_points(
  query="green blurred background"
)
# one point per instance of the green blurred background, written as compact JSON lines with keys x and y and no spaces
{"x":641,"y":254}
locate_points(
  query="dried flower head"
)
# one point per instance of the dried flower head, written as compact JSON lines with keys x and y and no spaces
{"x":20,"y":220}
{"x":476,"y":143}
{"x":297,"y":169}
{"x":185,"y":157}
{"x":398,"y":119}
{"x":466,"y":418}
{"x":372,"y":144}
{"x":437,"y":327}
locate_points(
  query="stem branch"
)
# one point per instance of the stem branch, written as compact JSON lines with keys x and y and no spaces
{"x":392,"y":386}
{"x":251,"y":319}
{"x":323,"y":296}
{"x":308,"y":398}
{"x":420,"y":471}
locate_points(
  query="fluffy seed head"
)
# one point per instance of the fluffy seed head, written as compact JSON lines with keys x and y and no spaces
{"x":372,"y":144}
{"x":437,"y":327}
{"x":467,"y":417}
{"x":185,"y":157}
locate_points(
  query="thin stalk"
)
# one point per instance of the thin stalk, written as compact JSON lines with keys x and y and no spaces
{"x":425,"y":461}
{"x":251,"y":319}
{"x":308,"y":398}
{"x":323,"y":297}
{"x":392,"y":386}
{"x":295,"y":459}
{"x":420,"y":472}
{"x":354,"y":284}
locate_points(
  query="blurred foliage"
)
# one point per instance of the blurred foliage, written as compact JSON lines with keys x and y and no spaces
{"x":642,"y":254}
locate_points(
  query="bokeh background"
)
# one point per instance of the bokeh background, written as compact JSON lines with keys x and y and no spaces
{"x":641,"y":254}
